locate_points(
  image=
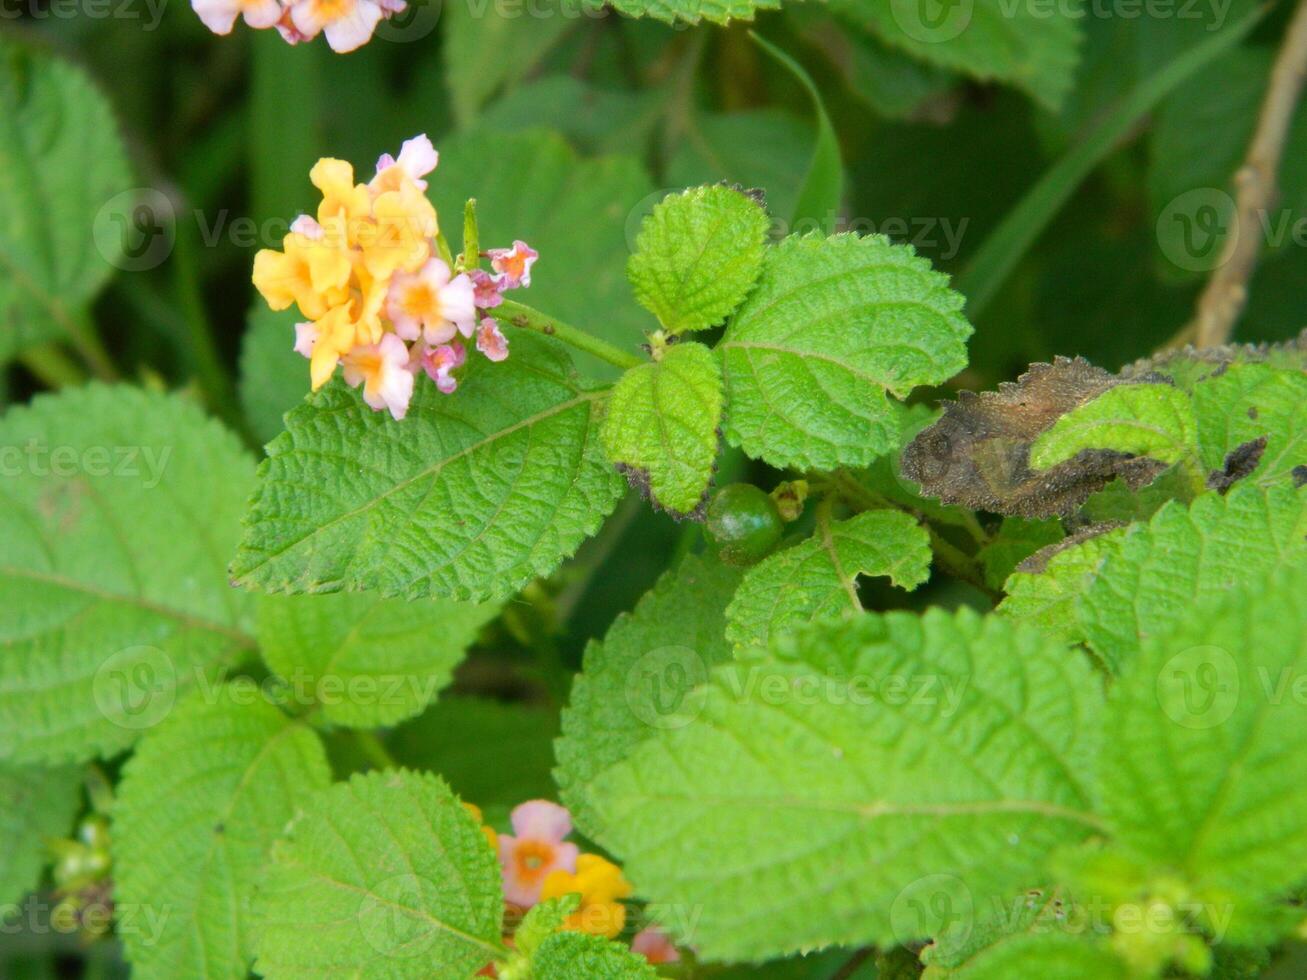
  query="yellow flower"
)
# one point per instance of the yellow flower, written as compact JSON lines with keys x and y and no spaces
{"x":601,"y":885}
{"x":335,"y":338}
{"x":310,"y":273}
{"x":399,"y":239}
{"x":345,"y":206}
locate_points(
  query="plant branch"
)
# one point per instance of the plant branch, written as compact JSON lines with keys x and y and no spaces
{"x":374,"y":749}
{"x":1226,"y":293}
{"x":527,"y":318}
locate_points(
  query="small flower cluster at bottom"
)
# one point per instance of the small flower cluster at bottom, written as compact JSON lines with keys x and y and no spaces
{"x":539,"y":863}
{"x":378,"y":298}
{"x":348,"y":24}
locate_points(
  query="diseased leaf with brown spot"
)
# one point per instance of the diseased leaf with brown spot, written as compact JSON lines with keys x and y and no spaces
{"x":978,"y":453}
{"x":1189,"y":365}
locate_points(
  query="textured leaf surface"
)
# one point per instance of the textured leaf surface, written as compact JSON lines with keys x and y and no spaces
{"x":1034,"y":49}
{"x":1154,"y":420}
{"x":1248,"y":402}
{"x":367,"y":661}
{"x":34,"y":804}
{"x":571,"y":955}
{"x":471,"y":496}
{"x":818,"y":578}
{"x":114,"y":595}
{"x":1048,"y":597}
{"x":1207,"y":776}
{"x":61,"y":166}
{"x":638,"y":679}
{"x":198,"y":808}
{"x":1066,"y":956}
{"x":792,"y":809}
{"x":661,"y":426}
{"x":384,"y":876}
{"x":574,"y":211}
{"x":1182,"y":556}
{"x":697,"y":256}
{"x":693,"y":11}
{"x":833,"y":324}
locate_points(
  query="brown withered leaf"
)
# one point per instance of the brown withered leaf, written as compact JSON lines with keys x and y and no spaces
{"x":978,"y":453}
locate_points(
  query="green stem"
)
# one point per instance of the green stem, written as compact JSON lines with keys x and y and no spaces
{"x":51,"y":366}
{"x":520,"y":315}
{"x":1005,"y":246}
{"x":375,"y":749}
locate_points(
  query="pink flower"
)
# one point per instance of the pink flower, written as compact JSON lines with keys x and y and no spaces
{"x":536,"y":851}
{"x":220,"y":16}
{"x":514,"y":264}
{"x":348,"y":24}
{"x":488,"y":291}
{"x":308,"y":226}
{"x":440,"y":362}
{"x":490,"y":341}
{"x":417,"y":157}
{"x":652,"y":943}
{"x":288,"y":31}
{"x":430,"y":304}
{"x":306,"y":335}
{"x":383,"y":370}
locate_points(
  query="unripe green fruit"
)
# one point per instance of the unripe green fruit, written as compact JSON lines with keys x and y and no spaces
{"x":744,"y":524}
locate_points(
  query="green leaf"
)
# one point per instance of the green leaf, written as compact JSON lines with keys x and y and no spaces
{"x":818,"y":578}
{"x":65,"y":219}
{"x":1034,"y":49}
{"x":1207,"y":773}
{"x":1161,"y":569}
{"x":1154,"y":420}
{"x":792,"y":807}
{"x":852,"y":318}
{"x":198,"y":808}
{"x":691,"y":11}
{"x":1017,"y":539}
{"x":490,"y":752}
{"x":490,"y":47}
{"x":574,"y":211}
{"x":542,"y":920}
{"x":570,"y":955}
{"x":697,"y":256}
{"x":470,"y":497}
{"x":386,"y":875}
{"x":1065,"y":955}
{"x":662,"y":426}
{"x":35,"y":804}
{"x":363,"y":660}
{"x":121,"y":509}
{"x":822,"y":192}
{"x":1248,"y":402}
{"x":1048,"y":597}
{"x":638,"y":679}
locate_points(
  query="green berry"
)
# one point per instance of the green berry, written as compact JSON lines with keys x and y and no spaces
{"x":744,"y":524}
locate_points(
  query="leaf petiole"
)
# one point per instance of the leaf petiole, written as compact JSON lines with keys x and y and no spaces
{"x":527,"y":318}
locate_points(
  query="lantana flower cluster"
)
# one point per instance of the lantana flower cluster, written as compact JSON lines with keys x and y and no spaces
{"x":348,"y":24}
{"x":539,"y":863}
{"x":379,"y":292}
